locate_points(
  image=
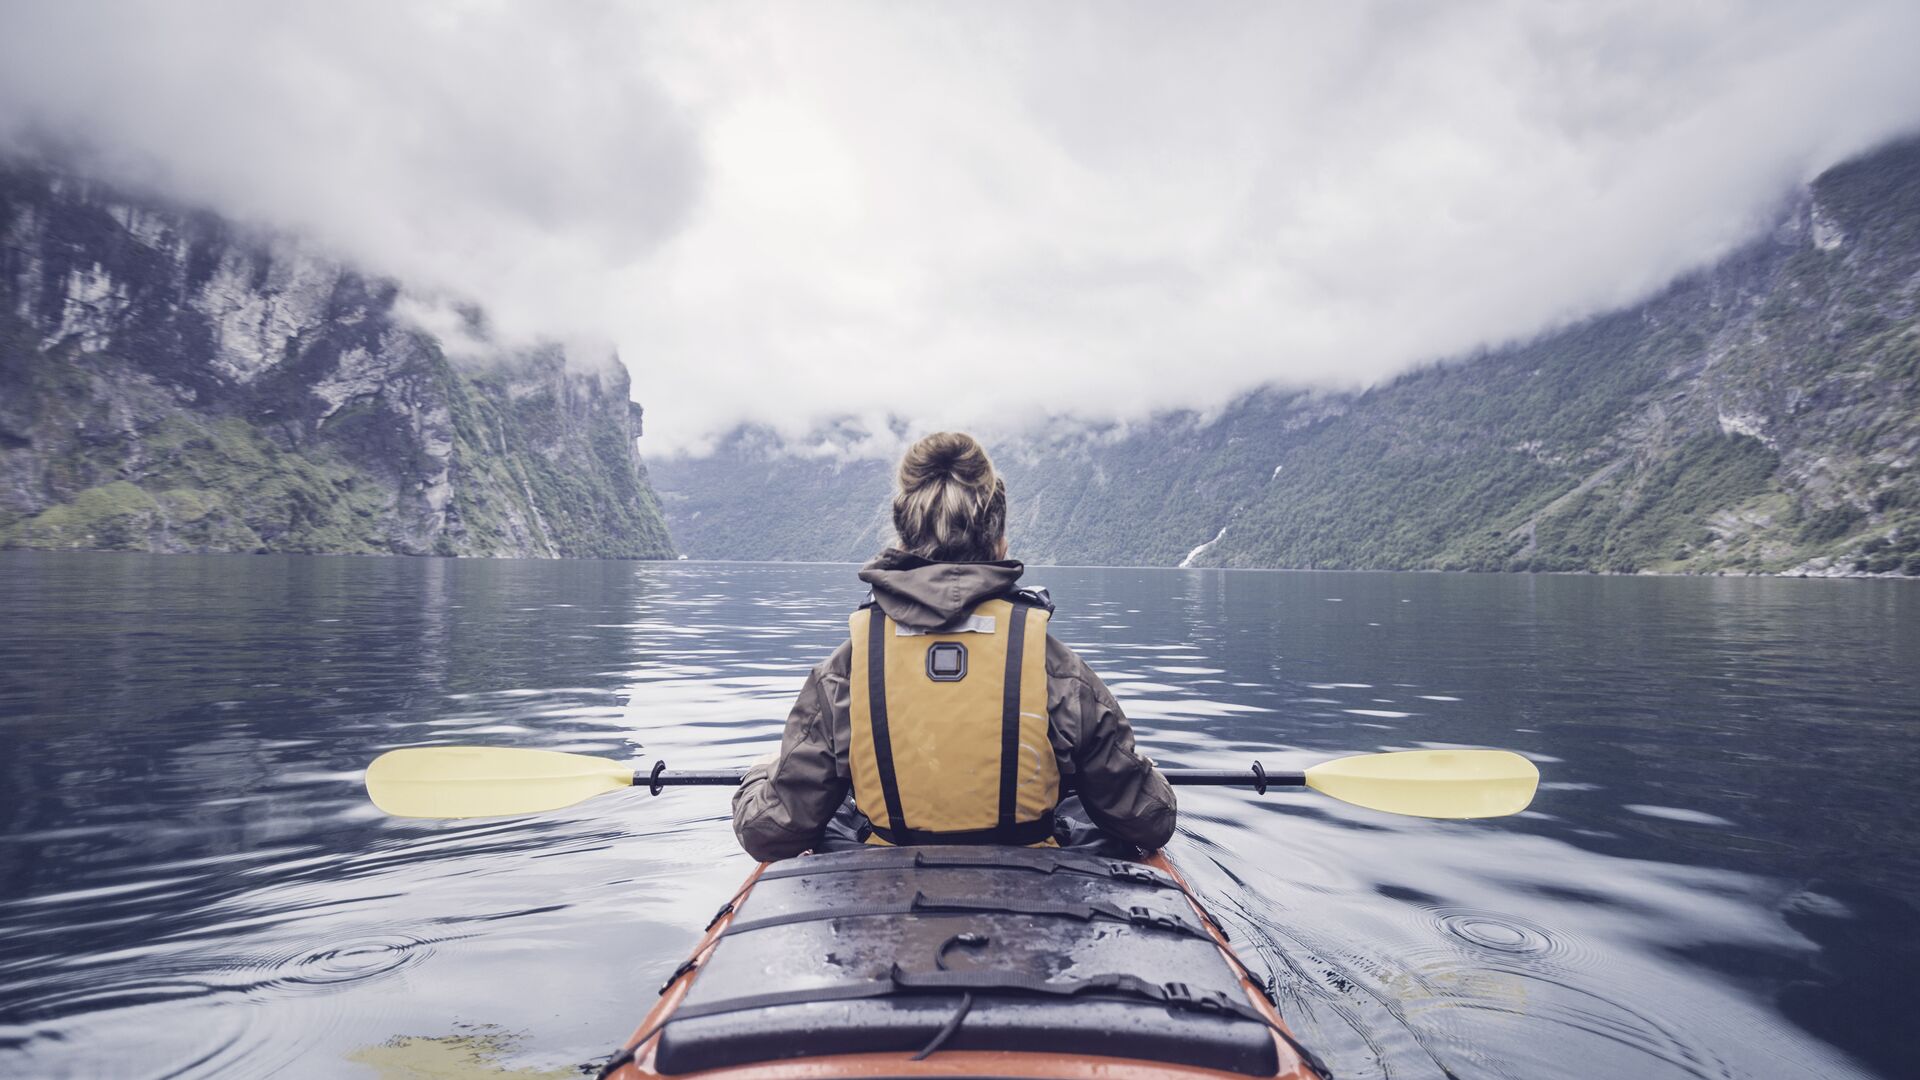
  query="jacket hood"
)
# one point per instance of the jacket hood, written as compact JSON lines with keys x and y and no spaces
{"x":925,"y":595}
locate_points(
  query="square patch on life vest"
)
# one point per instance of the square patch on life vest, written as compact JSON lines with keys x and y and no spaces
{"x":947,"y":661}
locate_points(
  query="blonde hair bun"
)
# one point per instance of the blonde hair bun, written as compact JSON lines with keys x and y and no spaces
{"x":949,"y":505}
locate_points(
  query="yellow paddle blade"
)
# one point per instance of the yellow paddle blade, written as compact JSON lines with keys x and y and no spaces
{"x":487,"y":781}
{"x":1431,"y":783}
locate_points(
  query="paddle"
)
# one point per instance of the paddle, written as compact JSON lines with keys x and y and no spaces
{"x":489,"y":781}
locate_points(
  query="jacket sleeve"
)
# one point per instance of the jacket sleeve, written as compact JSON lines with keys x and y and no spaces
{"x":1122,"y":791}
{"x":782,"y":807}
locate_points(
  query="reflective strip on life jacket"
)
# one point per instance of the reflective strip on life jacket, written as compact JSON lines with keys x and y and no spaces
{"x":948,"y":760}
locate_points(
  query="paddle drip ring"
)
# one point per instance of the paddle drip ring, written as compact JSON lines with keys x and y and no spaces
{"x":1259,"y":779}
{"x":653,"y":781}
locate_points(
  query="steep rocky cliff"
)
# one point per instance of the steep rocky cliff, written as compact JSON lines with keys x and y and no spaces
{"x":1760,"y":415}
{"x":172,"y":382}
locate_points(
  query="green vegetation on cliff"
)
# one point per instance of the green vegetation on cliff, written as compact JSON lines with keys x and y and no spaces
{"x":1762,"y":415}
{"x":581,"y":498}
{"x":169,"y":385}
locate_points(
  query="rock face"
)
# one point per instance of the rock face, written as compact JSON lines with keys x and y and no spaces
{"x":171,"y":382}
{"x":1762,"y":415}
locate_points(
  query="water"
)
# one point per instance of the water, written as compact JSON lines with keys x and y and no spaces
{"x":1717,"y":879}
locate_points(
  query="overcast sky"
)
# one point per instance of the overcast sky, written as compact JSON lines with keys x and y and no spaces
{"x":968,"y":212}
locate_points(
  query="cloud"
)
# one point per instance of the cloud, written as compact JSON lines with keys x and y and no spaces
{"x":945,"y":215}
{"x":510,"y":153}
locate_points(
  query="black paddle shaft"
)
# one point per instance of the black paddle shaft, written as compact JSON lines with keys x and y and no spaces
{"x":1257,"y":778}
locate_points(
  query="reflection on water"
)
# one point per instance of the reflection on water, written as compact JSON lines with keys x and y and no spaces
{"x":1716,"y":880}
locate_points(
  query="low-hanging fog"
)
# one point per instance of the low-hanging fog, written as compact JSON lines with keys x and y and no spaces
{"x":965,"y":213}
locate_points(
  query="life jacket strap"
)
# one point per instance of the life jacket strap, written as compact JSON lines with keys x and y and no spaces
{"x":877,"y":712}
{"x":1018,"y":834}
{"x":1010,"y":722}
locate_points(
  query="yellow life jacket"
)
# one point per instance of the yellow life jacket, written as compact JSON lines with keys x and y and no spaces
{"x":950,"y":738}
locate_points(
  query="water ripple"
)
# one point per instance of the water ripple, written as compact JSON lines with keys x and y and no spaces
{"x":191,"y":879}
{"x":337,"y":967}
{"x":1507,"y":935}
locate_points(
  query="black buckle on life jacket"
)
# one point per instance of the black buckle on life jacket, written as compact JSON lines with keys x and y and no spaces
{"x":1037,"y":595}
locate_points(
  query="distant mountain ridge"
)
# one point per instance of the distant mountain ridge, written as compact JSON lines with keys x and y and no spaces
{"x":172,"y":382}
{"x":1761,"y":415}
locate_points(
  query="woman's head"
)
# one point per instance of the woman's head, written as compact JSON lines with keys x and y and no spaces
{"x":949,"y":504}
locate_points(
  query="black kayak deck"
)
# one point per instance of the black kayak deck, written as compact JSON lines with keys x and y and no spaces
{"x":1030,"y":949}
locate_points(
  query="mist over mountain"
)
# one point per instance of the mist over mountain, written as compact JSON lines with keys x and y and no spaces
{"x":1159,"y":254}
{"x":785,"y":214}
{"x":1760,"y":415}
{"x":170,"y":381}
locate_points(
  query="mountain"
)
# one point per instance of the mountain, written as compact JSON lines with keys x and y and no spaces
{"x":170,"y":381}
{"x":1760,"y":415}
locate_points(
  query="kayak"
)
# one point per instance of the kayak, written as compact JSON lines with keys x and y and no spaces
{"x":963,"y":961}
{"x":956,"y":961}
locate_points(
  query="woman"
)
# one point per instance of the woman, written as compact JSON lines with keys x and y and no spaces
{"x":950,"y":714}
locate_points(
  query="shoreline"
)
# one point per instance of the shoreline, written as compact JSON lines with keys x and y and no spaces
{"x":1797,"y":573}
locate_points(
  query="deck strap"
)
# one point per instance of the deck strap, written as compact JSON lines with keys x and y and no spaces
{"x":1174,"y":995}
{"x":1118,"y":985}
{"x":1111,"y":985}
{"x":962,"y":858}
{"x":921,"y":904}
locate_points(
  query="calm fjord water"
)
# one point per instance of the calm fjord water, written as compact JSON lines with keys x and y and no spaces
{"x":1717,"y":880}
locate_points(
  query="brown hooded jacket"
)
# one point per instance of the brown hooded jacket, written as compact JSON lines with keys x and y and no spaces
{"x":783,"y":806}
